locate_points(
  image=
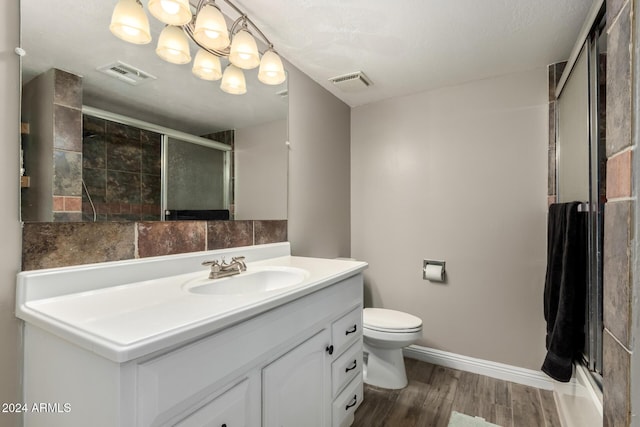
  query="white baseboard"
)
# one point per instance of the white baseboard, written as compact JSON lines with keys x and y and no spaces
{"x":479,"y":366}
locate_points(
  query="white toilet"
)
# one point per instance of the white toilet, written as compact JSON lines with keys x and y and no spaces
{"x":386,"y":333}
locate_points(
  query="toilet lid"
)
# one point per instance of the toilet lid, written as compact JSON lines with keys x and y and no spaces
{"x":386,"y":320}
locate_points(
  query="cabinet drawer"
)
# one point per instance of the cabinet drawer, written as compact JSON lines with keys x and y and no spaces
{"x":229,"y":409}
{"x":346,"y":403}
{"x":346,"y":330}
{"x":346,"y":367}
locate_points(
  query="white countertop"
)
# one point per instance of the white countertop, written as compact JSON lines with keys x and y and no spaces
{"x":125,"y":320}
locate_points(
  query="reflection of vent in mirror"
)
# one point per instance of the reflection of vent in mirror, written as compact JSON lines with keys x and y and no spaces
{"x":126,"y":73}
{"x":352,"y":82}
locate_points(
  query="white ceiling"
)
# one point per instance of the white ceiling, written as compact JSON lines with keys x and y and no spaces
{"x":410,"y":46}
{"x":404,"y":47}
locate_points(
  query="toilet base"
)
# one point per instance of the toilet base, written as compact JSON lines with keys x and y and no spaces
{"x":384,"y":367}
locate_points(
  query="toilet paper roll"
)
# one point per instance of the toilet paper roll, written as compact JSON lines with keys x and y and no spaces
{"x":434,"y":272}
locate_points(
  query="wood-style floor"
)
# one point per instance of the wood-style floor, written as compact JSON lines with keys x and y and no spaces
{"x":434,"y":391}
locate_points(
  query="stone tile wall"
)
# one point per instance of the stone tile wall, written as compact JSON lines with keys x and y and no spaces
{"x":618,"y":272}
{"x":122,"y":171}
{"x":67,"y":146}
{"x":52,"y":108}
{"x":48,"y":245}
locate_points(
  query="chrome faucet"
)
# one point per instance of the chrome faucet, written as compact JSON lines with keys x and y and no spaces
{"x":220,"y":269}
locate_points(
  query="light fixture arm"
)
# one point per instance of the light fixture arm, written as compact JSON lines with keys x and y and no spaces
{"x":239,"y":24}
{"x":243,"y":20}
{"x":244,"y":16}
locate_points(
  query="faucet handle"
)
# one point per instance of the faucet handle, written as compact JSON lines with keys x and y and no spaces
{"x":239,"y":260}
{"x":215,"y":264}
{"x":215,"y":268}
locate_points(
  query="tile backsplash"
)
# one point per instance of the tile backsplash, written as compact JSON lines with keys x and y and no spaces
{"x":49,"y":245}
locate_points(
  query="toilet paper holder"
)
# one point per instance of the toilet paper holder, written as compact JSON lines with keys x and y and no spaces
{"x":436,"y":270}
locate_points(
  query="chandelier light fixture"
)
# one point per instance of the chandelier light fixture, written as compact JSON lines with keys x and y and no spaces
{"x":204,"y":24}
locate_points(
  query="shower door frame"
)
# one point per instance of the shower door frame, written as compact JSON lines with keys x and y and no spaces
{"x":165,"y":134}
{"x":226,"y":174}
{"x":592,"y":355}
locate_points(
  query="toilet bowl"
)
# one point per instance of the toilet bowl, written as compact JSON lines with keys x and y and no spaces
{"x":386,"y":333}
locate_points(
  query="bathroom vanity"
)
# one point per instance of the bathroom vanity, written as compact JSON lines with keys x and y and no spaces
{"x":154,"y":342}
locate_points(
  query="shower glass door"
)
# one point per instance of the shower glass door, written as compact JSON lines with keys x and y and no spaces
{"x":195,"y":176}
{"x":581,"y":169}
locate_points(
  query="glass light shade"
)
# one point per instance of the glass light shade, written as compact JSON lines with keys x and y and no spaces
{"x":130,"y":23}
{"x":211,"y":29}
{"x":207,"y":66}
{"x":271,"y":71}
{"x":173,"y":45}
{"x":233,"y":81}
{"x":171,"y":12}
{"x":244,"y":51}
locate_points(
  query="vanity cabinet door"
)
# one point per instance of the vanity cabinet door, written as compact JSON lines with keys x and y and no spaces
{"x":297,"y":386}
{"x":227,"y":410}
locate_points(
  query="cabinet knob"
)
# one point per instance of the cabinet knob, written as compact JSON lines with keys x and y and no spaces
{"x":224,"y":425}
{"x":329,"y":349}
{"x":352,"y":330}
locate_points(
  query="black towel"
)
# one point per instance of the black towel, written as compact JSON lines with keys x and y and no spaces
{"x":565,"y":288}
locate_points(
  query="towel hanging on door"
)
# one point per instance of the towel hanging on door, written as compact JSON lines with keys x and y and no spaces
{"x":565,"y":288}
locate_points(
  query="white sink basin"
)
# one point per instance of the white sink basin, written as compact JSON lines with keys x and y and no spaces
{"x":254,"y":280}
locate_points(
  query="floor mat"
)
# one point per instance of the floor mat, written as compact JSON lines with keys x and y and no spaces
{"x":461,"y":420}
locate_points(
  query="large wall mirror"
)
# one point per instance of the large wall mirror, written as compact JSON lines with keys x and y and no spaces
{"x":128,"y":143}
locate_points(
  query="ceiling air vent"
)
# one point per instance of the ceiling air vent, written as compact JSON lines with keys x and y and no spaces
{"x":126,"y":73}
{"x":352,"y":82}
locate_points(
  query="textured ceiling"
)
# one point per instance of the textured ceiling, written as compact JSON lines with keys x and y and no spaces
{"x":415,"y":45}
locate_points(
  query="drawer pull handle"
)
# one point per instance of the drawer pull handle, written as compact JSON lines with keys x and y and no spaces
{"x":329,"y":349}
{"x":353,"y":402}
{"x":352,"y":330}
{"x":352,"y":367}
{"x":224,"y":425}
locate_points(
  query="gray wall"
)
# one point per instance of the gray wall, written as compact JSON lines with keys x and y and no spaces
{"x":319,"y":197}
{"x":9,"y":214}
{"x":457,"y":174}
{"x":261,"y":162}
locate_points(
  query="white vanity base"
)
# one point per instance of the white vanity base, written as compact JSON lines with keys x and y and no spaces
{"x":298,"y":363}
